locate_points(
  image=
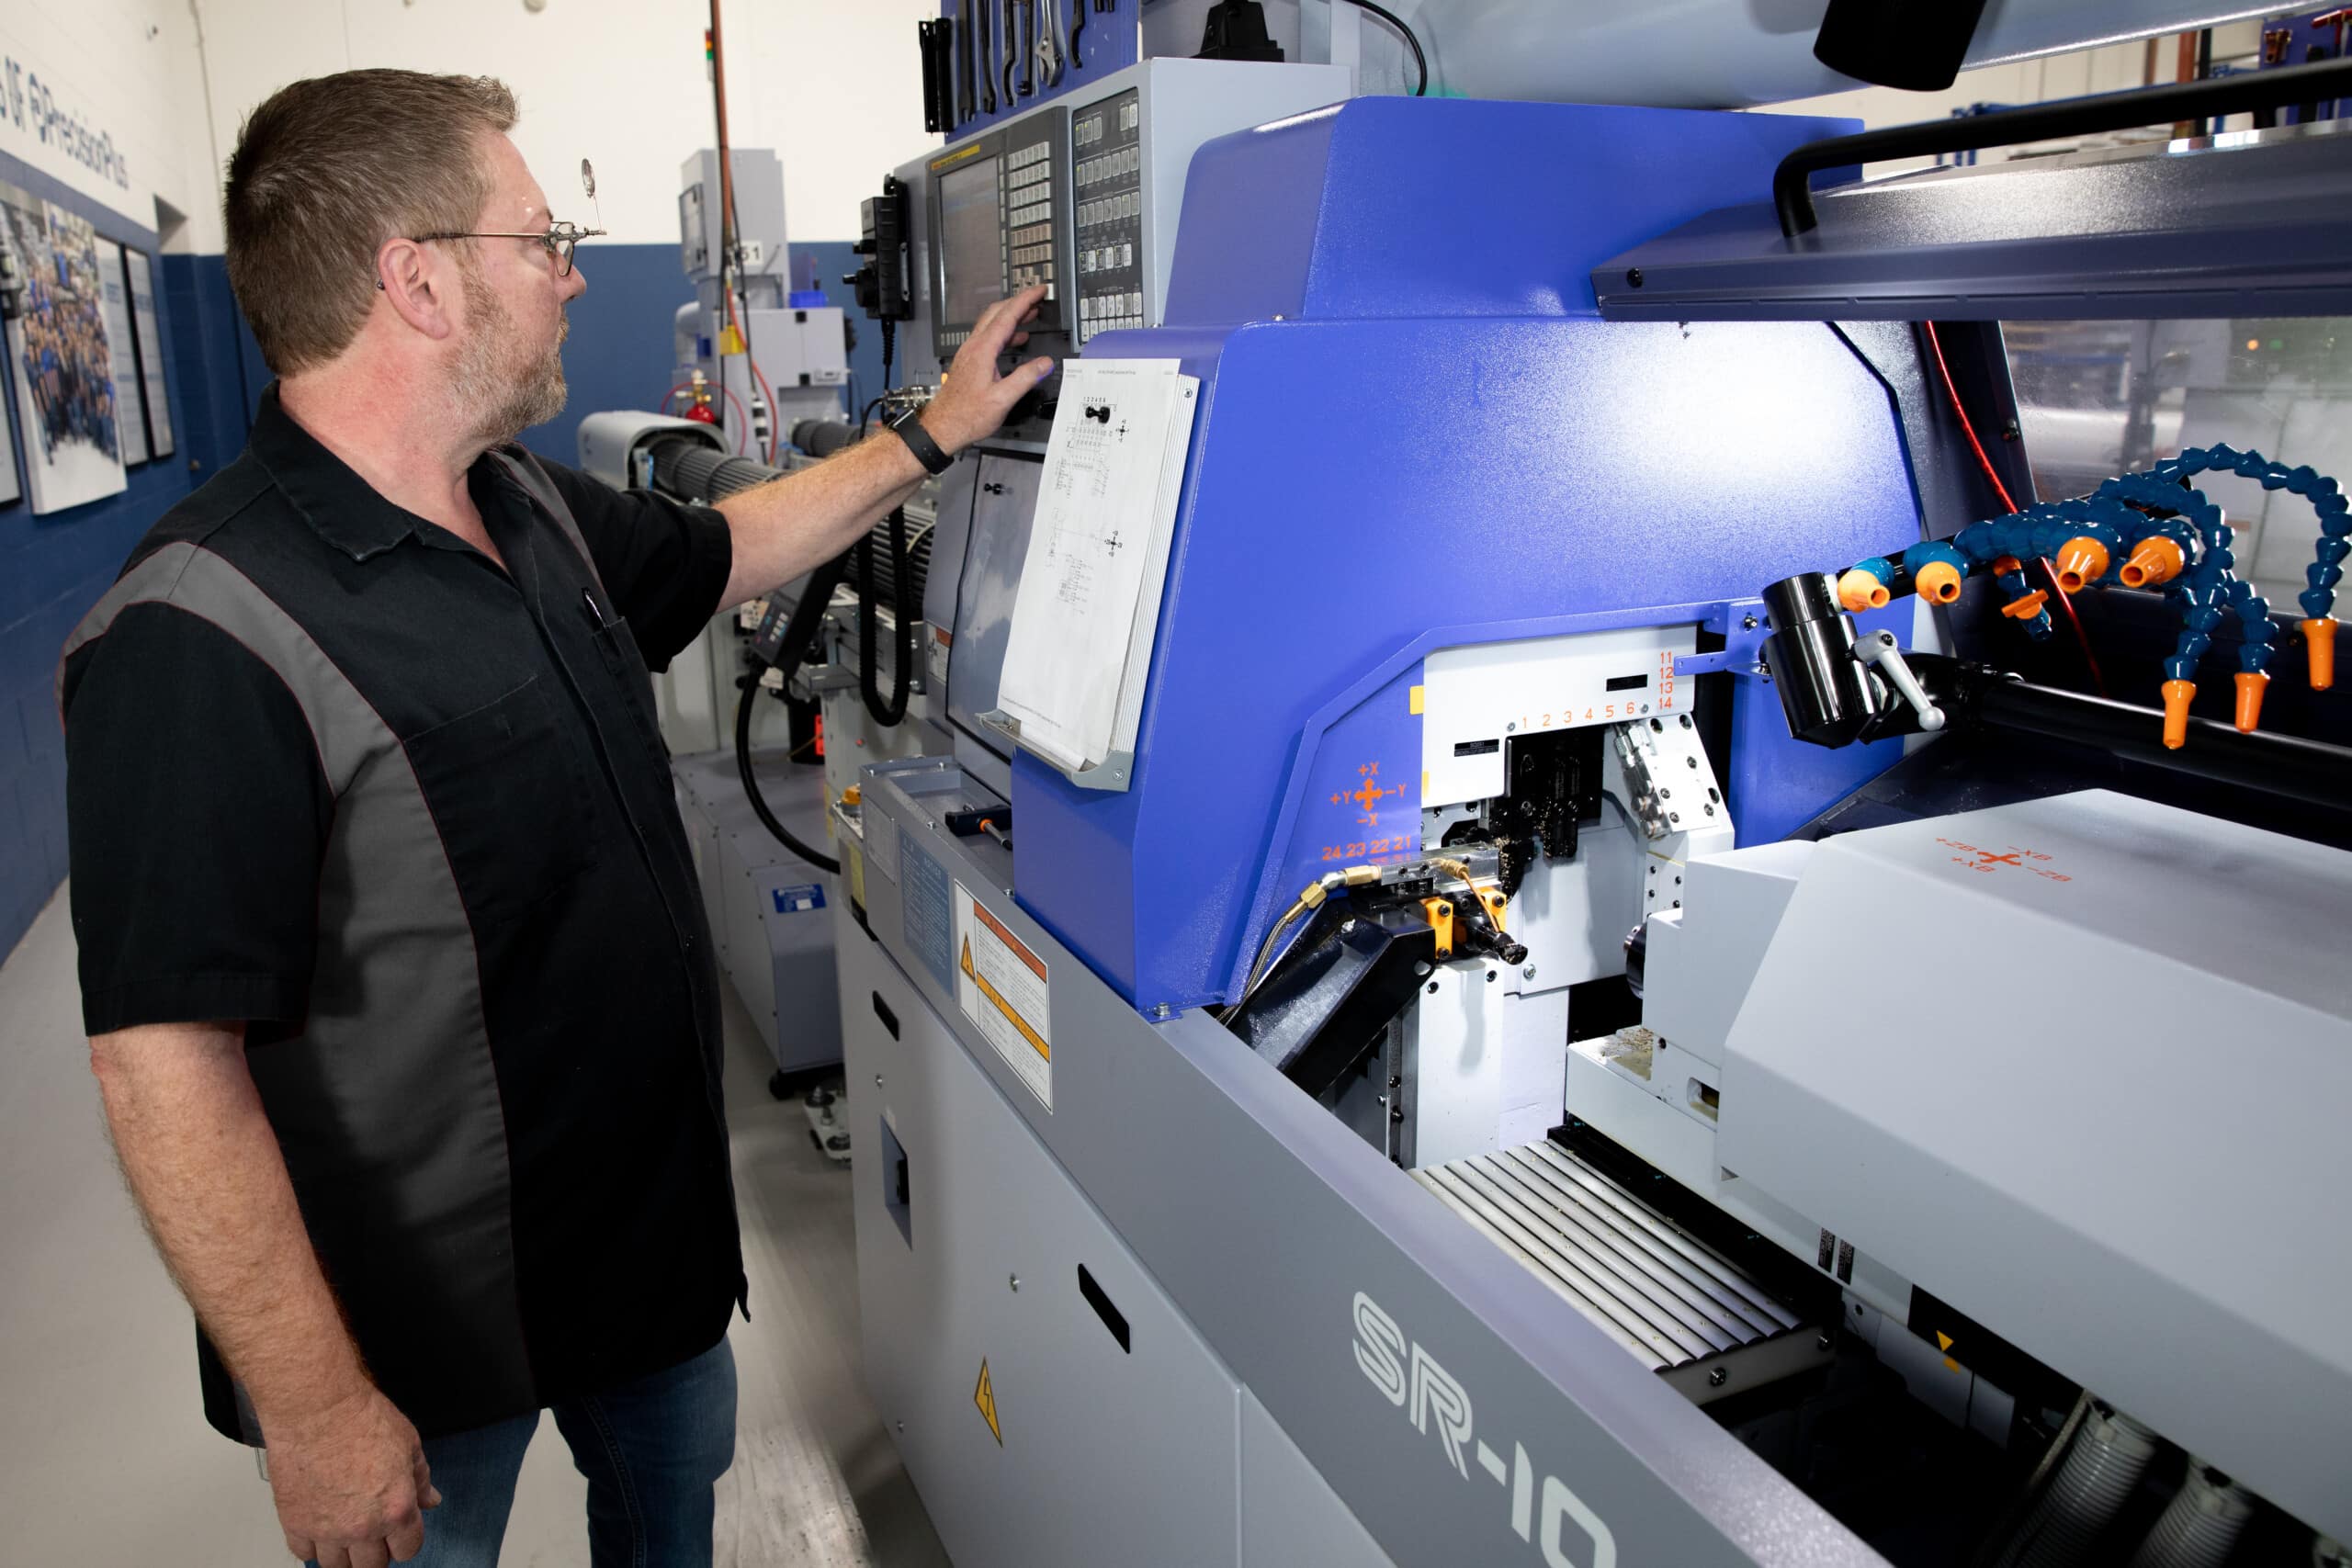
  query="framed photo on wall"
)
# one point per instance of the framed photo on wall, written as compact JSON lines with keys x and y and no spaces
{"x":10,"y":491}
{"x":61,"y":365}
{"x":148,"y":338}
{"x":131,"y":418}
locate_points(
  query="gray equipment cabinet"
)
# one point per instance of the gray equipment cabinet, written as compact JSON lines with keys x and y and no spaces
{"x":769,"y":910}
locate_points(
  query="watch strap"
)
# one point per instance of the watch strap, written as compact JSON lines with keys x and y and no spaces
{"x":909,"y":428}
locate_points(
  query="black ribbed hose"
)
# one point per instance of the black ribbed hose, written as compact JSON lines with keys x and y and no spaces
{"x":885,"y":713}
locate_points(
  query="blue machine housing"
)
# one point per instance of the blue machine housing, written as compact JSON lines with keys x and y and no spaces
{"x":1416,"y":432}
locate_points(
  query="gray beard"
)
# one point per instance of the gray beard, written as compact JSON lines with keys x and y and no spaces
{"x":508,"y":397}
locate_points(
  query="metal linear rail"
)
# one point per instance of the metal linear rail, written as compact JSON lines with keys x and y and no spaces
{"x":1674,"y":1303}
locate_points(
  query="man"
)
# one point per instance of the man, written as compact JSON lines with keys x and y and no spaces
{"x":399,"y":994}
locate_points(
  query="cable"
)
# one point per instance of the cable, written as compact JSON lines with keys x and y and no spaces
{"x":1420,"y":60}
{"x":800,"y":637}
{"x":783,"y":834}
{"x":1968,"y":428}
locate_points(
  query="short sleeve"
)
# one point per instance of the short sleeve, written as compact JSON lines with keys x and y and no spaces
{"x":664,"y":563}
{"x":197,"y":814}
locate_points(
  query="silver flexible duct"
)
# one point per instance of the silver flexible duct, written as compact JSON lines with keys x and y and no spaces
{"x":2109,"y":1455}
{"x":2201,"y":1525}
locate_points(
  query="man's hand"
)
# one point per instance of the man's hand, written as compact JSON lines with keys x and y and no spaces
{"x":974,"y":400}
{"x":351,"y":1482}
{"x":780,"y":530}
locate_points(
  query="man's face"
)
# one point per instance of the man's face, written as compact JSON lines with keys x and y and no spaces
{"x":509,"y":370}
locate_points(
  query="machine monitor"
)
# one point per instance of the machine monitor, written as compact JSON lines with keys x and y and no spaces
{"x":1000,"y":209}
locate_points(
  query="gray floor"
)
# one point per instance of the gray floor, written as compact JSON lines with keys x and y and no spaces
{"x":106,"y":1460}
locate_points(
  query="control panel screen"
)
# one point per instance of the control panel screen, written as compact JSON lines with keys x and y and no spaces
{"x":1000,"y":219}
{"x":971,"y":243}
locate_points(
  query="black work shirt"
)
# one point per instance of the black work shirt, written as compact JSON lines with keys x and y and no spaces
{"x":408,"y":817}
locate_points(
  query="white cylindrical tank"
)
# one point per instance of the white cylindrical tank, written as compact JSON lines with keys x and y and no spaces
{"x":1727,"y":54}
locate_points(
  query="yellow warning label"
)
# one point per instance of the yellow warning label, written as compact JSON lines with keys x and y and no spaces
{"x":984,"y":1395}
{"x":1943,"y":1340}
{"x":1413,"y":700}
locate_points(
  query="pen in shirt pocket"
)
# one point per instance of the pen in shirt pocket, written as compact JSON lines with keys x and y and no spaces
{"x":597,"y":620}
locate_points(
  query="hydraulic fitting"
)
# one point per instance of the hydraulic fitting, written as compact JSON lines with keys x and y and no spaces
{"x":2155,"y":561}
{"x":1936,"y":570}
{"x":2178,"y":694}
{"x":2082,"y":560}
{"x":1863,"y":586}
{"x":2251,"y":684}
{"x":2319,"y":651}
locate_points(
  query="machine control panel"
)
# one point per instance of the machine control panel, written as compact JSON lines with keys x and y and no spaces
{"x":1001,"y":221}
{"x":1107,"y":143}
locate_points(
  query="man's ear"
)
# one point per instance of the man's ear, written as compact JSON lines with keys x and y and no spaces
{"x":415,"y":282}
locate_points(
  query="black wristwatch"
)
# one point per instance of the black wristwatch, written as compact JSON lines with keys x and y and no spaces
{"x":909,"y":428}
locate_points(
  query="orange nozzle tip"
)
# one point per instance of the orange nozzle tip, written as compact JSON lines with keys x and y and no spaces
{"x":2178,"y":696}
{"x":2080,"y":561}
{"x":1938,"y":583}
{"x":2319,"y":651}
{"x":1858,"y":591}
{"x":2154,"y":560}
{"x":2025,"y":606}
{"x":2006,"y":565}
{"x":2252,"y":683}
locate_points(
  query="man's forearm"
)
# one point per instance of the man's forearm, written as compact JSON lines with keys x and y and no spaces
{"x":783,"y":529}
{"x":205,"y":1171}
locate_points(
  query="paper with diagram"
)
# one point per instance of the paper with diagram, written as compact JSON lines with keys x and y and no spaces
{"x":1098,"y":558}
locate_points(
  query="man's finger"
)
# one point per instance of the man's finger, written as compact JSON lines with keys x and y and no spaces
{"x":407,"y":1539}
{"x":427,"y":1495}
{"x":371,"y":1554}
{"x":332,"y":1556}
{"x":1008,"y":314}
{"x":1014,"y":387}
{"x":302,"y":1549}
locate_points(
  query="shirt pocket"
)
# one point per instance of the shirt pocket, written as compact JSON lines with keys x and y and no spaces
{"x":508,"y":789}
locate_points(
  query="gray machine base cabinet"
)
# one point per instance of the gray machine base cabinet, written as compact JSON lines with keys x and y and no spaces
{"x":970,"y":1242}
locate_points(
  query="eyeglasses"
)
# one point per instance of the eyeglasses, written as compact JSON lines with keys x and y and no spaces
{"x":559,"y":238}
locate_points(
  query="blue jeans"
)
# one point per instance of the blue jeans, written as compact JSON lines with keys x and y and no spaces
{"x":651,"y":1450}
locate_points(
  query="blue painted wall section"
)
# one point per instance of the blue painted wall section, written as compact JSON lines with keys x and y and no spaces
{"x":1442,"y":443}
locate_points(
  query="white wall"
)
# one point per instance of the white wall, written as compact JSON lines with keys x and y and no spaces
{"x":832,"y":85}
{"x":120,"y":68}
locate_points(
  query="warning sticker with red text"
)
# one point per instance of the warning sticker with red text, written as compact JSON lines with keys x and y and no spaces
{"x":1002,"y":987}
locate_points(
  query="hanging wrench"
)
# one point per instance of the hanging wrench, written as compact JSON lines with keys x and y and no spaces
{"x":1028,"y":45}
{"x":984,"y":44}
{"x":1050,"y":48}
{"x":1077,"y":32}
{"x":1011,"y":48}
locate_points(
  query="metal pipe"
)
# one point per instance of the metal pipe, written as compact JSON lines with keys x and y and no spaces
{"x":1793,"y":190}
{"x":2310,"y":771}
